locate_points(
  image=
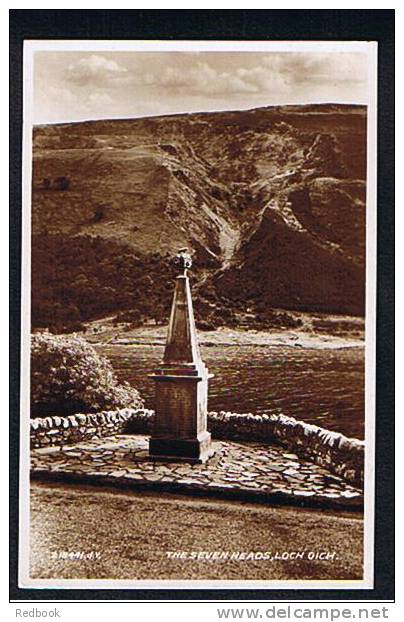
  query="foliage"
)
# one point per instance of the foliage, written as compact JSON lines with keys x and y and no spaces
{"x":69,"y":376}
{"x":132,"y":317}
{"x":62,"y":183}
{"x":81,"y":278}
{"x":209,"y":324}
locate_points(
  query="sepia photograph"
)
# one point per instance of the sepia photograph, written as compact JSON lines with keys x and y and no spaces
{"x":199,"y":283}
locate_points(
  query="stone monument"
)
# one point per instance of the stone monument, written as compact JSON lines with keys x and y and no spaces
{"x":180,"y":431}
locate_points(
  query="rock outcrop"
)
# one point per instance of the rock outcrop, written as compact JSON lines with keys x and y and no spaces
{"x":272,"y":199}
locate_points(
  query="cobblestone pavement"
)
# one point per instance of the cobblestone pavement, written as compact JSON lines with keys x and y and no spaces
{"x":238,"y":469}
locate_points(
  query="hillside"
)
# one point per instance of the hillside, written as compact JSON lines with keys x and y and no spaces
{"x":272,"y":201}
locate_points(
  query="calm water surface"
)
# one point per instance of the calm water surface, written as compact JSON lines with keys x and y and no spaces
{"x":325,"y":387}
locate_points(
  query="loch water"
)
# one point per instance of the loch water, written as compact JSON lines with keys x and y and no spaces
{"x":321,"y":386}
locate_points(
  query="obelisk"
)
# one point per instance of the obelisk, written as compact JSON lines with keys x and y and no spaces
{"x":180,"y":427}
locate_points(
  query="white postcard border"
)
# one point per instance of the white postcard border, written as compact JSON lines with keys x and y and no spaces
{"x":369,"y":48}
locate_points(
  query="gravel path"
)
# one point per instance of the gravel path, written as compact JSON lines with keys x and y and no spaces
{"x":97,"y":533}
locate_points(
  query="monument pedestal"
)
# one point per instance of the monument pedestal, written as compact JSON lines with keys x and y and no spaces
{"x":181,"y":408}
{"x":180,"y":428}
{"x":196,"y":450}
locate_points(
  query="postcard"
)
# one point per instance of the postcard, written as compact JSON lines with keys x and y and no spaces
{"x":198,"y":331}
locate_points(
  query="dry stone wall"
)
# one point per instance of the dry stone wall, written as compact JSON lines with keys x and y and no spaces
{"x":50,"y":431}
{"x":339,"y":454}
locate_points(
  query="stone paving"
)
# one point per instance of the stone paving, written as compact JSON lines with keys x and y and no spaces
{"x":244,"y":470}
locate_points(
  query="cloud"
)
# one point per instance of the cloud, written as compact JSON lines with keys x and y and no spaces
{"x":82,"y":85}
{"x":95,"y":70}
{"x":263,"y":80}
{"x":98,"y":99}
{"x":275,"y":74}
{"x":318,"y":68}
{"x":60,"y":93}
{"x":204,"y":79}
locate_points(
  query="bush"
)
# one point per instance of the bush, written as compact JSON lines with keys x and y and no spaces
{"x":62,"y":183}
{"x":130,"y":317}
{"x":272,"y":319}
{"x":225,"y":317}
{"x":67,"y":327}
{"x":209,"y":324}
{"x":68,"y":376}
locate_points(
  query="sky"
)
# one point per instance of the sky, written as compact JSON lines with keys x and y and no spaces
{"x":74,"y":86}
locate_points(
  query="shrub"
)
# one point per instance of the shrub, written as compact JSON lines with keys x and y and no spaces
{"x":225,"y":317}
{"x":62,"y":183}
{"x":131,"y":317}
{"x":209,"y":324}
{"x":67,"y":327}
{"x":272,"y":319}
{"x":69,"y":376}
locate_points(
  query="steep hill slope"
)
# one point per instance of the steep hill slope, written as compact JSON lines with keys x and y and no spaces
{"x":271,"y":200}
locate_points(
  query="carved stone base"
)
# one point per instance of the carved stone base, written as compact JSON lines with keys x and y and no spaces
{"x":188,"y":450}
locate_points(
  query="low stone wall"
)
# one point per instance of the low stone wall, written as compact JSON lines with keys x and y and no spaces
{"x":339,"y":454}
{"x":50,"y":431}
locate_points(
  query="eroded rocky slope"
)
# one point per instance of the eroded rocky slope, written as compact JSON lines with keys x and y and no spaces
{"x":271,"y":200}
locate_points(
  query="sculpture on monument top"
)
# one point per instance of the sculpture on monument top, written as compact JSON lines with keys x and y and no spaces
{"x":183,"y":260}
